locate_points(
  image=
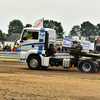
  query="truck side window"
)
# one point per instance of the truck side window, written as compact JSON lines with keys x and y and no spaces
{"x":35,"y":35}
{"x":30,"y":35}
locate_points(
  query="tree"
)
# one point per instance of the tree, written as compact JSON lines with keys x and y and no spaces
{"x":98,"y":29}
{"x":75,"y":31}
{"x":15,"y":26}
{"x":87,"y":29}
{"x":2,"y":38}
{"x":54,"y":25}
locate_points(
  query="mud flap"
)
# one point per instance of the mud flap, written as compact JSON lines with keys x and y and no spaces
{"x":99,"y":67}
{"x":95,"y":69}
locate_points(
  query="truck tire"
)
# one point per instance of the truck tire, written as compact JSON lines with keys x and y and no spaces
{"x":34,"y":62}
{"x":86,"y":66}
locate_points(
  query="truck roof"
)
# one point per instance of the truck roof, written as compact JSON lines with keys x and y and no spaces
{"x":35,"y":28}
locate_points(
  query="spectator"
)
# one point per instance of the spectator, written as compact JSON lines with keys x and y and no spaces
{"x":63,"y":50}
{"x":98,"y":48}
{"x":56,"y":48}
{"x":4,"y":48}
{"x":59,"y":49}
{"x":7,"y":47}
{"x":16,"y":46}
{"x":95,"y":47}
{"x":0,"y":48}
{"x":13,"y":49}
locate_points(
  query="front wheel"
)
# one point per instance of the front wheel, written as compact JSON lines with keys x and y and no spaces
{"x":34,"y":62}
{"x":86,"y":66}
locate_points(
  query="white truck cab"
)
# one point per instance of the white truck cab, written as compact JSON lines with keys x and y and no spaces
{"x":34,"y":50}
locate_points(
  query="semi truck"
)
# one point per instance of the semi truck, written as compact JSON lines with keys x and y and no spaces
{"x":39,"y":52}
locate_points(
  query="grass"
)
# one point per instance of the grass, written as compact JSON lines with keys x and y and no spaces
{"x":7,"y":58}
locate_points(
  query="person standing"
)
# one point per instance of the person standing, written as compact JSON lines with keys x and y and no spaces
{"x":9,"y":48}
{"x":56,"y":48}
{"x":6,"y":47}
{"x":16,"y":46}
{"x":0,"y":48}
{"x":98,"y":48}
{"x":13,"y":49}
{"x":59,"y":48}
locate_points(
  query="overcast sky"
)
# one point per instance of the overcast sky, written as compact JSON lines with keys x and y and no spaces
{"x":68,"y":12}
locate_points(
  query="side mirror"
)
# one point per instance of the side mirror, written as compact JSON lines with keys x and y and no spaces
{"x":24,"y":38}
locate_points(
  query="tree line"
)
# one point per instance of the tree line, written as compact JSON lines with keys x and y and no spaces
{"x":16,"y":26}
{"x":86,"y":29}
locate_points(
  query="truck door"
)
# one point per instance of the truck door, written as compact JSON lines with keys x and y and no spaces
{"x":41,"y":41}
{"x":27,"y":40}
{"x":35,"y":42}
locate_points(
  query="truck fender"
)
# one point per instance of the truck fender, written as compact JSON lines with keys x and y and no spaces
{"x":32,"y":52}
{"x":79,"y":64}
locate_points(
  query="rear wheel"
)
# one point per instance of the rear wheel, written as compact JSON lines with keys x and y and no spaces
{"x":34,"y":62}
{"x":86,"y":66}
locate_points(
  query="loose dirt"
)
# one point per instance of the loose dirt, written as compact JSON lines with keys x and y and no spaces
{"x":18,"y":82}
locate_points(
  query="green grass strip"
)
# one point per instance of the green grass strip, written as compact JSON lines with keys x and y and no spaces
{"x":7,"y":58}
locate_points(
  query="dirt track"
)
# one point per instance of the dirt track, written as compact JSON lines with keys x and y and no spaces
{"x":18,"y":82}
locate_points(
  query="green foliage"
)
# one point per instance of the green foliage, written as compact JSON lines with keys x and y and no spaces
{"x":54,"y":25}
{"x":15,"y":26}
{"x":98,"y":29}
{"x":85,"y":29}
{"x":75,"y":31}
{"x":2,"y":38}
{"x":88,"y":29}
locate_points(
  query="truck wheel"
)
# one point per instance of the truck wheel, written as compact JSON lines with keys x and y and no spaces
{"x":86,"y":66}
{"x":34,"y":62}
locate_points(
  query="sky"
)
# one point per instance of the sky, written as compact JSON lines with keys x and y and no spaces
{"x":68,"y":12}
